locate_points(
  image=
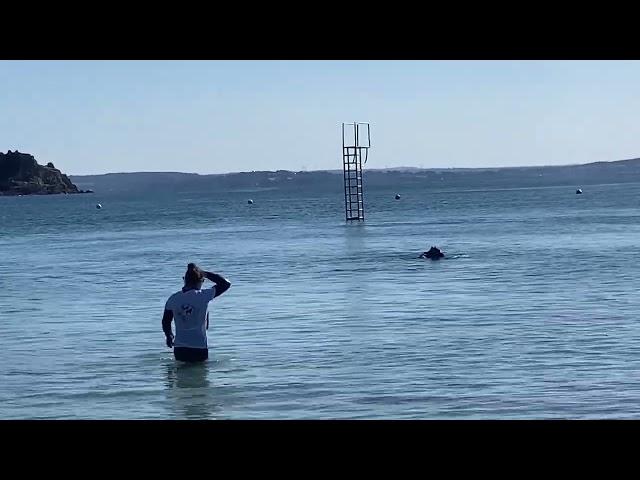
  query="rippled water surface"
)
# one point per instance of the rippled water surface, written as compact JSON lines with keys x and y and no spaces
{"x":534,"y":315}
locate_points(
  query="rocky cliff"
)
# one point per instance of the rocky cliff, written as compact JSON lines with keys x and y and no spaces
{"x":20,"y":174}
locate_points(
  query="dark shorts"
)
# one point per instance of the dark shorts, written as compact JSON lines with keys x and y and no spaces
{"x":185,"y":354}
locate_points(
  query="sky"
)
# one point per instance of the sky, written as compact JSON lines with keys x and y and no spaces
{"x":90,"y":117}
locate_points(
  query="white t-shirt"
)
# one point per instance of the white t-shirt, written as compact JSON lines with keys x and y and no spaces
{"x":190,"y":311}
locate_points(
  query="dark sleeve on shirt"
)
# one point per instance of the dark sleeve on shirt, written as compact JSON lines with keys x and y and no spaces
{"x":166,"y":322}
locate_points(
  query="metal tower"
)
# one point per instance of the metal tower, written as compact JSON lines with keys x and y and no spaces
{"x":356,"y":140}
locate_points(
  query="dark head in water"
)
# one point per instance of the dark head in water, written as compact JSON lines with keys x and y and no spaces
{"x":194,"y":277}
{"x":434,"y":253}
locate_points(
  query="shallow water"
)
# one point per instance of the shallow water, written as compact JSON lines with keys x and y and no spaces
{"x":534,"y":316}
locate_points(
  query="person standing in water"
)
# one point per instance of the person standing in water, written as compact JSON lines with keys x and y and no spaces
{"x":189,"y":309}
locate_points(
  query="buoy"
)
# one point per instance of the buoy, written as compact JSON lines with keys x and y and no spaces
{"x":250,"y":202}
{"x":98,"y":206}
{"x":579,"y":191}
{"x":397,"y":196}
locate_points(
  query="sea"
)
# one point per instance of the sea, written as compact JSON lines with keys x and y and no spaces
{"x":533,"y":314}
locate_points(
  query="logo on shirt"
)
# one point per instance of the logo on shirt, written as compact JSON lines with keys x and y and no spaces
{"x":187,"y":309}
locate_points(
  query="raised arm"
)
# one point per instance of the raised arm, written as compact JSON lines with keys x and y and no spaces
{"x":166,"y":327}
{"x":222,"y":284}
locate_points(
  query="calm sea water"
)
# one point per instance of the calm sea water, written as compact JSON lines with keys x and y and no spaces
{"x":535,"y":315}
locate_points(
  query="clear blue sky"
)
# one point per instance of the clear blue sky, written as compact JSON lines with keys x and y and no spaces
{"x":224,"y":116}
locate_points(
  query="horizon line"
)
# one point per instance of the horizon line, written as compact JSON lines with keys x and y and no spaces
{"x":369,"y":169}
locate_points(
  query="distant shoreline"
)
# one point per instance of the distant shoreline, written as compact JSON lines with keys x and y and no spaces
{"x":390,"y":169}
{"x":615,"y":172}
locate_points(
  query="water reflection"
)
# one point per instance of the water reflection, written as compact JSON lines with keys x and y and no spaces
{"x":190,"y":390}
{"x":187,"y":375}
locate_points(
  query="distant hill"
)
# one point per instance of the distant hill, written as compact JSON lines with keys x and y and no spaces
{"x":621,"y":171}
{"x":20,"y":174}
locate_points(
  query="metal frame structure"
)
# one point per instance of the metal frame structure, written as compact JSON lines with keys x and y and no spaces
{"x":352,"y":150}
